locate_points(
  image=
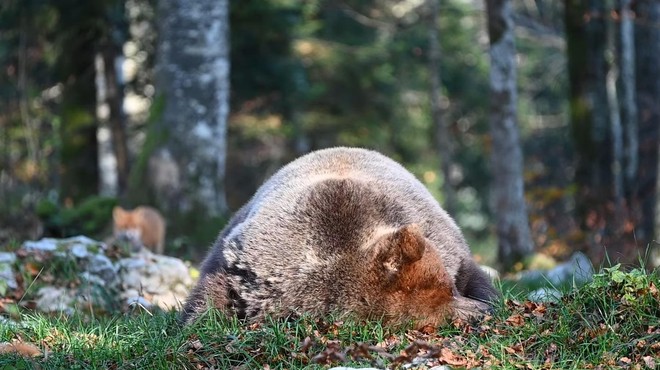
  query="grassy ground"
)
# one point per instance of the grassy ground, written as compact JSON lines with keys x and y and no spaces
{"x":611,"y":323}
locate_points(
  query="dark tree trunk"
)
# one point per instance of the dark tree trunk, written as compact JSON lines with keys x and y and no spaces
{"x":647,"y":58}
{"x":601,"y":132}
{"x":514,"y":237}
{"x":79,"y":150}
{"x":627,"y":93}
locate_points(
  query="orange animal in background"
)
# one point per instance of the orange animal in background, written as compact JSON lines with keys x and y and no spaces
{"x":143,"y":225}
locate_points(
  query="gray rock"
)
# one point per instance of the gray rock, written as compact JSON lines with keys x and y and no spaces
{"x":7,"y":276}
{"x":577,"y":270}
{"x":7,"y":257}
{"x":101,"y":266}
{"x":164,"y":281}
{"x":545,"y":295}
{"x":138,"y":301}
{"x":91,"y":279}
{"x":55,"y":299}
{"x":43,"y":245}
{"x":144,"y":278}
{"x":79,"y":251}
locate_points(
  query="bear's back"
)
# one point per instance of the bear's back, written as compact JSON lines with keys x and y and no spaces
{"x":332,"y":201}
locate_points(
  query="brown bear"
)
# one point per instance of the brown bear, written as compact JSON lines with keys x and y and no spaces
{"x":348,"y":231}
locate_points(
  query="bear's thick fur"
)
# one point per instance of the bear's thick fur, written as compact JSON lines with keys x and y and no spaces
{"x":342,"y":230}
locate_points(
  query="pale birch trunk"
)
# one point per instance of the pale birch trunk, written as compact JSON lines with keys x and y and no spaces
{"x":514,"y":237}
{"x":187,"y":169}
{"x":107,"y":159}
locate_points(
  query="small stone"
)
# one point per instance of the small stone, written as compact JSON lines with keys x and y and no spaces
{"x":53,"y":299}
{"x":138,"y":301}
{"x":79,"y":251}
{"x":44,"y":245}
{"x":545,"y":295}
{"x":7,"y":257}
{"x":7,"y":275}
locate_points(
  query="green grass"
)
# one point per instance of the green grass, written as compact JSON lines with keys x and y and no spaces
{"x":612,"y":322}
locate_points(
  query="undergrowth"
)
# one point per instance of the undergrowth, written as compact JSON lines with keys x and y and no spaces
{"x":612,"y":322}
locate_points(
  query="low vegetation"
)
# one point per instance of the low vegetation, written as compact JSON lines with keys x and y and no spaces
{"x":612,"y":322}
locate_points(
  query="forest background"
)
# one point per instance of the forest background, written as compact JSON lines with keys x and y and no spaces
{"x":535,"y":123}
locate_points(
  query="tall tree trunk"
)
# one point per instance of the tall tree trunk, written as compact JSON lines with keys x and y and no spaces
{"x":113,"y":146}
{"x":107,"y":159}
{"x":187,"y":167}
{"x":628,"y":97}
{"x":116,"y":119}
{"x":597,"y":132}
{"x":514,"y":237}
{"x":601,"y":162}
{"x":616,"y":134}
{"x":647,"y":58}
{"x":79,"y":152}
{"x":443,"y":139}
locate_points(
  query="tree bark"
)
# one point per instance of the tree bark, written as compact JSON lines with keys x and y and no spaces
{"x":187,"y":167}
{"x":647,"y":64}
{"x":79,"y":151}
{"x":113,"y":149}
{"x":443,"y":141}
{"x":116,"y":119}
{"x":628,"y":97}
{"x":616,"y":134}
{"x":514,"y":237}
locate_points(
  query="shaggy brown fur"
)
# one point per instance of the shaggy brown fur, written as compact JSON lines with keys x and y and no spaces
{"x":342,"y":230}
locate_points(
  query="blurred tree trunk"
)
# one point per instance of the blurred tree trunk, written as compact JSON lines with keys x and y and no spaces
{"x":79,"y":151}
{"x":609,"y":160}
{"x":116,"y":119}
{"x":443,"y":141}
{"x":514,"y":237}
{"x":113,"y":146}
{"x":188,"y":141}
{"x":626,"y":60}
{"x":616,"y":131}
{"x":647,"y":65}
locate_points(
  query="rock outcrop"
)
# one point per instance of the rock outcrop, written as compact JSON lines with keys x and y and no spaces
{"x":78,"y":274}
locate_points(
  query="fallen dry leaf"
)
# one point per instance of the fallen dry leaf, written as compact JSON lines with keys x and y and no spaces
{"x":20,"y":348}
{"x":625,"y":360}
{"x":451,"y":358}
{"x":516,"y":320}
{"x":306,"y":344}
{"x":389,"y":342}
{"x":649,"y":362}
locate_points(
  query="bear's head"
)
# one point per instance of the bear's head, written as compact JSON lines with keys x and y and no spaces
{"x":413,"y":283}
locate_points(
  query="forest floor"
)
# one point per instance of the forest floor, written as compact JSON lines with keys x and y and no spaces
{"x":612,"y":322}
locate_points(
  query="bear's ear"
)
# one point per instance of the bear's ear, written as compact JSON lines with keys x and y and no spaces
{"x":404,"y":246}
{"x":117,"y":212}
